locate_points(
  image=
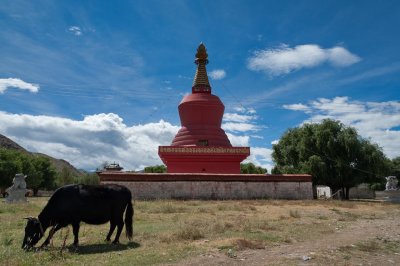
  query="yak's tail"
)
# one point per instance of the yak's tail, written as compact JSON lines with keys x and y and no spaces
{"x":129,"y":220}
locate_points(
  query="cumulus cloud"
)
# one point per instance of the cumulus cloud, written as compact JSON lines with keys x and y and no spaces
{"x":285,"y":59}
{"x":236,"y":140}
{"x":94,"y":139}
{"x":89,"y":142}
{"x":17,"y":84}
{"x":77,"y":31}
{"x":243,"y":121}
{"x":261,"y":157}
{"x":378,"y":121}
{"x":217,"y":74}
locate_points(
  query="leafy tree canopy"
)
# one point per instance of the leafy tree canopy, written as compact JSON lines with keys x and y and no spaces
{"x":39,"y":170}
{"x":155,"y":169}
{"x":335,"y":155}
{"x":88,"y":179}
{"x":395,"y":167}
{"x":250,"y":168}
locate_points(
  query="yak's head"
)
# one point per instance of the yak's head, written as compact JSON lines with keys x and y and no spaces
{"x":33,"y":233}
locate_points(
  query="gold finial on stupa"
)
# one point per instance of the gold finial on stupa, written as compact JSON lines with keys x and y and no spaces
{"x":201,"y":54}
{"x":200,"y":82}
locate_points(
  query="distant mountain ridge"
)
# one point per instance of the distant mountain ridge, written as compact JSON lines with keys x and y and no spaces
{"x":58,"y":164}
{"x":8,"y":144}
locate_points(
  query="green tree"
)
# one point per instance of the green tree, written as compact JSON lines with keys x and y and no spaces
{"x":250,"y":168}
{"x":45,"y":172}
{"x":155,"y":169}
{"x":31,"y":168}
{"x":88,"y":179}
{"x":65,"y":177}
{"x":335,"y":155}
{"x":395,"y":167}
{"x":9,"y":166}
{"x":38,"y":169}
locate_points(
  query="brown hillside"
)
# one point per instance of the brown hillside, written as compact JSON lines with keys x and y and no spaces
{"x":8,"y":144}
{"x":58,"y":164}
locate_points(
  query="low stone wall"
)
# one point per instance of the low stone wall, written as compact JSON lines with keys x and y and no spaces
{"x":361,"y":193}
{"x":389,"y":196}
{"x":212,"y":186}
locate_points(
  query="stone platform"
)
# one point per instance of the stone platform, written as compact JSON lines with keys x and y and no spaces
{"x":211,"y":186}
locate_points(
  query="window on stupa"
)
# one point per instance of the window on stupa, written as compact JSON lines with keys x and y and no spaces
{"x":202,"y":142}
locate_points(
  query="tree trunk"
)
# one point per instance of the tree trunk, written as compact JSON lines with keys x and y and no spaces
{"x":347,"y":193}
{"x":343,"y":193}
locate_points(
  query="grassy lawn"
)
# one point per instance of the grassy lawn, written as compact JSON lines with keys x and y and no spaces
{"x":168,"y":231}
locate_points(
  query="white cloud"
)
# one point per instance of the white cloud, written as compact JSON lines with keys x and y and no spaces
{"x":297,"y":107}
{"x":235,"y":122}
{"x":261,"y":157}
{"x":89,"y":142}
{"x":233,"y":117}
{"x":251,"y":110}
{"x":240,"y":127}
{"x":97,"y":138}
{"x":285,"y":59}
{"x":240,"y":141}
{"x":241,"y":123}
{"x":77,"y":31}
{"x":378,"y":121}
{"x":340,"y":57}
{"x":217,"y":74}
{"x":274,"y":142}
{"x":18,"y":84}
{"x":242,"y":109}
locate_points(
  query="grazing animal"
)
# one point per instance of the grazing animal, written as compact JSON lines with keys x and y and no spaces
{"x":72,"y":204}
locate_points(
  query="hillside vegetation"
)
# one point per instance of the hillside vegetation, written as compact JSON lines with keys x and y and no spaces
{"x":43,"y":171}
{"x":58,"y":164}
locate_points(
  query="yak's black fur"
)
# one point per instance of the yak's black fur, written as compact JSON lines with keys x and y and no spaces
{"x":72,"y":204}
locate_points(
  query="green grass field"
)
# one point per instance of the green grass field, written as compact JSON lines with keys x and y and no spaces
{"x":168,"y":231}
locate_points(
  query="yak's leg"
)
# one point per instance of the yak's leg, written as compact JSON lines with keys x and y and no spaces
{"x":120,"y":225}
{"x":112,"y":228}
{"x":52,"y":231}
{"x":75,"y":230}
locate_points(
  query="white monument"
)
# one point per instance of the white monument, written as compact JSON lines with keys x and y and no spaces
{"x":18,"y":190}
{"x":391,"y":183}
{"x":324,"y":192}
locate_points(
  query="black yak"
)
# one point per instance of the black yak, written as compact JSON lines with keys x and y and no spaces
{"x":72,"y":204}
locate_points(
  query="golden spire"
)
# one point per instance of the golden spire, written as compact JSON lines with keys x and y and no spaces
{"x":200,"y":82}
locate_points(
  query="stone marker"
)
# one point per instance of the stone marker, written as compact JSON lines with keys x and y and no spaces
{"x":17,"y":191}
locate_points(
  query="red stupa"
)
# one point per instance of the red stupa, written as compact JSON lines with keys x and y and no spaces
{"x":201,"y":145}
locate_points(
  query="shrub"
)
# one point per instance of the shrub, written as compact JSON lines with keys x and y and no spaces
{"x":294,"y":214}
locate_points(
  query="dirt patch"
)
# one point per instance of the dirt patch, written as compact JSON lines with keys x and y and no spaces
{"x":369,"y":235}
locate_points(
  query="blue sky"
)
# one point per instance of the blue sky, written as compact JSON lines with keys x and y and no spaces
{"x":95,"y":81}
